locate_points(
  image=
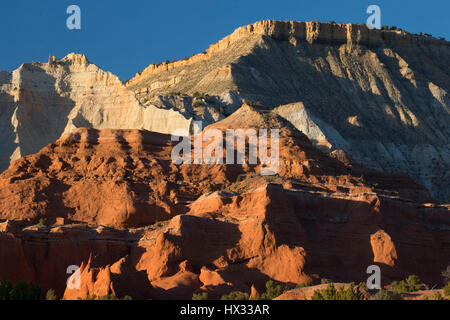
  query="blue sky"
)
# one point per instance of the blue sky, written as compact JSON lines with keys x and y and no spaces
{"x":126,"y":36}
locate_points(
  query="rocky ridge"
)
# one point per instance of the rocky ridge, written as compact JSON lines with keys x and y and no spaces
{"x":139,"y":225}
{"x":382,"y":96}
{"x":40,"y":102}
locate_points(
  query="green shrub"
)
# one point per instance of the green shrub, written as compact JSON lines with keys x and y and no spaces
{"x":5,"y":289}
{"x":412,"y":283}
{"x":387,"y":295}
{"x":109,"y":297}
{"x":43,"y":222}
{"x":50,"y":295}
{"x":438,"y":296}
{"x":273,"y":290}
{"x":302,"y":285}
{"x":325,"y":281}
{"x":20,"y":291}
{"x":447,"y":289}
{"x":331,"y":293}
{"x":200,"y":296}
{"x":235,"y":295}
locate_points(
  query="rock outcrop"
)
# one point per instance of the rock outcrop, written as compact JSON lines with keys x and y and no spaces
{"x":293,"y":31}
{"x":120,"y":178}
{"x":39,"y":102}
{"x":221,"y":227}
{"x":382,"y":96}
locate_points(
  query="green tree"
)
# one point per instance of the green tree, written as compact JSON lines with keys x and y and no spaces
{"x":412,"y":283}
{"x":273,"y":290}
{"x":25,"y":291}
{"x":235,"y":295}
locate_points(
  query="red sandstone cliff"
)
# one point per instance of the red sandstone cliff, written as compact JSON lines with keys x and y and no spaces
{"x":320,"y":217}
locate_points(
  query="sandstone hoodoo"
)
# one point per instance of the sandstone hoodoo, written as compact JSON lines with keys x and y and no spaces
{"x":139,"y":225}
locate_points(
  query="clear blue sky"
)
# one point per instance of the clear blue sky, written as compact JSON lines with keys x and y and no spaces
{"x":126,"y":36}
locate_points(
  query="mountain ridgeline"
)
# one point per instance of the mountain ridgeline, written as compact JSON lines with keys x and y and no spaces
{"x":88,"y":178}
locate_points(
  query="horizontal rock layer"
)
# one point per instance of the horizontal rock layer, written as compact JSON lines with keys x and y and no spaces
{"x":310,"y":31}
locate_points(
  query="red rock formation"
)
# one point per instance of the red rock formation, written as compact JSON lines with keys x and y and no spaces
{"x":119,"y":178}
{"x":319,"y":217}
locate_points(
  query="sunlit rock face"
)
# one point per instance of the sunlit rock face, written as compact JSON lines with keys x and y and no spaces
{"x":42,"y":101}
{"x":114,"y":203}
{"x":382,"y":96}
